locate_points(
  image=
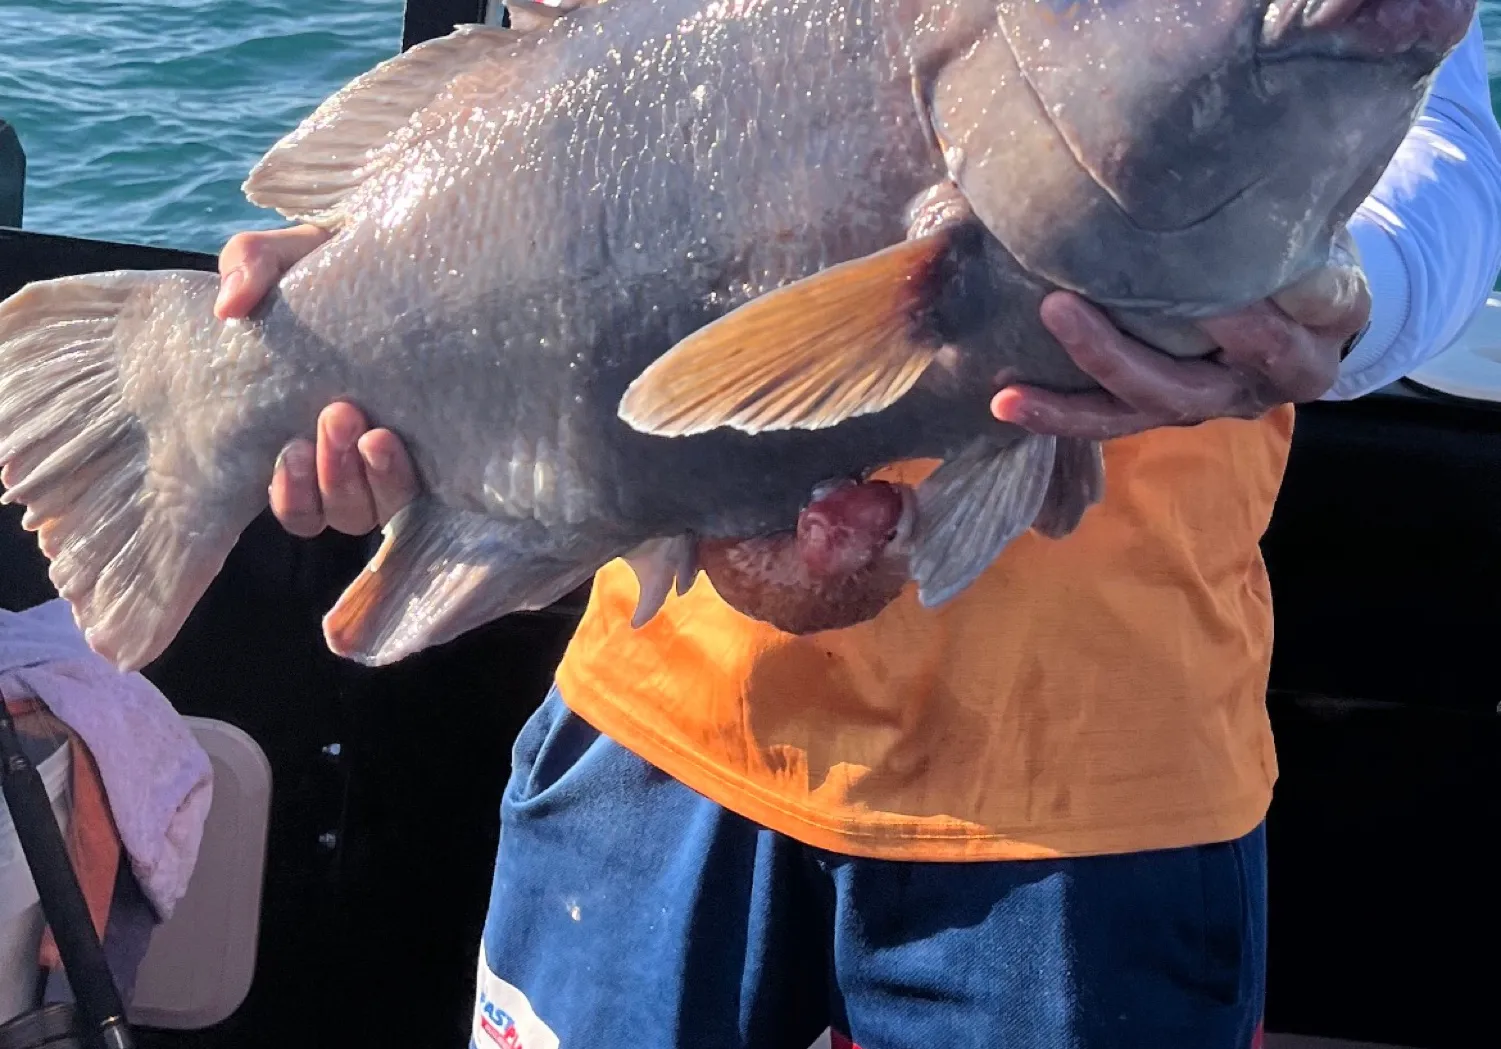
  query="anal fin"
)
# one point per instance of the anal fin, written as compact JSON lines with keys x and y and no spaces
{"x":660,"y":565}
{"x":972,"y":507}
{"x":441,"y":573}
{"x":1078,"y":483}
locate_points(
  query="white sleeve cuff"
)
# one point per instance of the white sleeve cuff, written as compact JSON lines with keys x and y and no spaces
{"x":1371,"y":363}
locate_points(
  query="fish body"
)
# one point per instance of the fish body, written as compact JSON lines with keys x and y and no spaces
{"x":649,"y":273}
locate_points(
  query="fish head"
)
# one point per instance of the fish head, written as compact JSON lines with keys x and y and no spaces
{"x":1179,"y":157}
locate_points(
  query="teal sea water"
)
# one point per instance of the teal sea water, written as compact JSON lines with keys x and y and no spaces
{"x":140,"y":118}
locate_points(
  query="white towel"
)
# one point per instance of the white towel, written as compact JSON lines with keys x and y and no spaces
{"x":156,"y":777}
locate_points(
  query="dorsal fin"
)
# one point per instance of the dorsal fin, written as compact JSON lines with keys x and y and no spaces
{"x":309,"y":175}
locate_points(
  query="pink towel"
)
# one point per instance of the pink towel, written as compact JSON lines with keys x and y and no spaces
{"x":157,"y":778}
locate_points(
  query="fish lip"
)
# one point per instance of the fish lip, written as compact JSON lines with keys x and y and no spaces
{"x":1278,"y":16}
{"x":1284,"y":18}
{"x":1354,"y":31}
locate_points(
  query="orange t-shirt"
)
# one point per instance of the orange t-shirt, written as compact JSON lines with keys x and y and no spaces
{"x":1103,"y":693}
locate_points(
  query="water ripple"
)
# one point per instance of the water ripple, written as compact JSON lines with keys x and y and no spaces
{"x":141,"y":118}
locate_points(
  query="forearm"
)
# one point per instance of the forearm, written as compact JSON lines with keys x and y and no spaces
{"x":1430,"y":233}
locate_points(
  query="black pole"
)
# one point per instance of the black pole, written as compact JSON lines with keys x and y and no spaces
{"x":427,"y":19}
{"x":98,"y":1000}
{"x":12,"y":176}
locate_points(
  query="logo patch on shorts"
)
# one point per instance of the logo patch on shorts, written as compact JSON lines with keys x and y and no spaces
{"x":503,"y":1018}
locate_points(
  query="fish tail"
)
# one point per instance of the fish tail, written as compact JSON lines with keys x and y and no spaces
{"x":134,"y":522}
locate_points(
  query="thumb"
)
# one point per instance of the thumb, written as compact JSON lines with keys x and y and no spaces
{"x":1334,"y":298}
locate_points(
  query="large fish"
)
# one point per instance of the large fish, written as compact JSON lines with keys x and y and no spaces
{"x":655,"y":270}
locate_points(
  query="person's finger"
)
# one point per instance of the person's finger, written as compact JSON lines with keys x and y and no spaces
{"x":252,"y":262}
{"x":294,"y":490}
{"x":1148,"y":381}
{"x":348,"y":503}
{"x":1095,"y":415}
{"x":1336,"y":299}
{"x":1294,"y":364}
{"x":388,"y":468}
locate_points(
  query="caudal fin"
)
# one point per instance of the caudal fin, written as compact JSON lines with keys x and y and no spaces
{"x":130,"y":519}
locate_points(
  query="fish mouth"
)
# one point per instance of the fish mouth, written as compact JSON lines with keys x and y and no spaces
{"x":1362,"y":30}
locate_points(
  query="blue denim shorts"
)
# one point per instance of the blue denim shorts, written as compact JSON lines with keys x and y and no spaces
{"x":628,"y":911}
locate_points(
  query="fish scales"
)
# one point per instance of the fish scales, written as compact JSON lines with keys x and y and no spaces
{"x":634,"y":274}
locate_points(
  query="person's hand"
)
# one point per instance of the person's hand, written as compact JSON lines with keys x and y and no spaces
{"x":353,"y":479}
{"x":1283,"y":350}
{"x":252,"y":263}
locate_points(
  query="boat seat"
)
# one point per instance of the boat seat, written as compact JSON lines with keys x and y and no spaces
{"x":199,"y":966}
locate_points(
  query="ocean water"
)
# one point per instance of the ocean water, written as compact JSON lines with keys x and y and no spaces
{"x":141,"y":118}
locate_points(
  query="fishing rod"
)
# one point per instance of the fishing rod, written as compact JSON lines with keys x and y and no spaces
{"x":97,"y":999}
